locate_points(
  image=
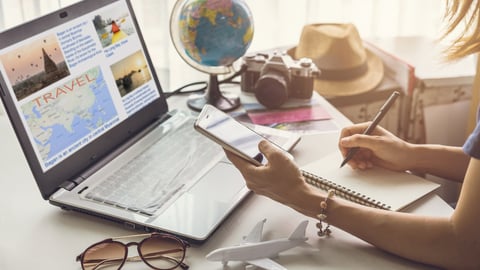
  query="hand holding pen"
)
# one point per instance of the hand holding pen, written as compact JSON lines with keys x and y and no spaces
{"x":376,"y":120}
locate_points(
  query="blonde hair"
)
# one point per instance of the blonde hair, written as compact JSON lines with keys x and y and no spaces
{"x":462,"y":13}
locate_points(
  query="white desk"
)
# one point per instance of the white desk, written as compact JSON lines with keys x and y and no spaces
{"x":37,"y":235}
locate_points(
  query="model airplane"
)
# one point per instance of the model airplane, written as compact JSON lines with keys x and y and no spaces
{"x":256,"y":252}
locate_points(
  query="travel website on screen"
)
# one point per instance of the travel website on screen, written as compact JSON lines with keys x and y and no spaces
{"x":78,"y":80}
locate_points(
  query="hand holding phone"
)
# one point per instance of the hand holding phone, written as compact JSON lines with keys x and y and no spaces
{"x":231,"y":134}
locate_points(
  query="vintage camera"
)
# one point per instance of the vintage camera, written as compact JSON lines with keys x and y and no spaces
{"x":274,"y":78}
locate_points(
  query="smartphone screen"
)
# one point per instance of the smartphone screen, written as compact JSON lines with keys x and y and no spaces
{"x":230,"y":133}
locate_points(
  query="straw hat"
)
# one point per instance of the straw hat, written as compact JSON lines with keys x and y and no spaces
{"x":347,"y":68}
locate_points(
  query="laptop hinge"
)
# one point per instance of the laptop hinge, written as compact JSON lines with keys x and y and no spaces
{"x":71,"y":184}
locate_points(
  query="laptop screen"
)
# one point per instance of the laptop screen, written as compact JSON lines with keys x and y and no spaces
{"x":74,"y":77}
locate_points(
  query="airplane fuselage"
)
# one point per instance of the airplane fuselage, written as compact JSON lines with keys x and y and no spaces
{"x":253,"y":251}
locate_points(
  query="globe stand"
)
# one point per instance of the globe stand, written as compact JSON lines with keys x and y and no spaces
{"x":214,"y":97}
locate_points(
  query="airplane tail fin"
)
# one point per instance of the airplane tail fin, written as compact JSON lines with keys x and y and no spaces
{"x":299,"y":233}
{"x":255,"y":235}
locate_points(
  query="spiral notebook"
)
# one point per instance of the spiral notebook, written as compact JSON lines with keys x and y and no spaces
{"x":376,"y":187}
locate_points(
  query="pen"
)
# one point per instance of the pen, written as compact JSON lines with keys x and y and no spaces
{"x":378,"y":117}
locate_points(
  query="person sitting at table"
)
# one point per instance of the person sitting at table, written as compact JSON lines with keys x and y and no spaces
{"x":448,"y":242}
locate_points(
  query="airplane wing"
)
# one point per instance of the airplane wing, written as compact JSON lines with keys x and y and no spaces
{"x":255,"y":235}
{"x":266,"y":264}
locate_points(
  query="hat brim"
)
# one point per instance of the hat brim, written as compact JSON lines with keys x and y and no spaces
{"x":358,"y":85}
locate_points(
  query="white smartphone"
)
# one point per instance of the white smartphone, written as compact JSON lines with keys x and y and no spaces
{"x":232,"y":135}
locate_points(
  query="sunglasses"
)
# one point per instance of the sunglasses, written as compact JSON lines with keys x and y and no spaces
{"x":158,"y":250}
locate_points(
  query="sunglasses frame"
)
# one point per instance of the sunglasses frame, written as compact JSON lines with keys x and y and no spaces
{"x":145,"y":237}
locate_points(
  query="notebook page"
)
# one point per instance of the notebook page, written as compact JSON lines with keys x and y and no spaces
{"x":395,"y":189}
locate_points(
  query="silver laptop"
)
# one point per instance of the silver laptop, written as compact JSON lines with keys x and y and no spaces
{"x":82,"y":95}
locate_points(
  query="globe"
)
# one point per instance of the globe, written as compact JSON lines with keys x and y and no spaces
{"x":210,"y":35}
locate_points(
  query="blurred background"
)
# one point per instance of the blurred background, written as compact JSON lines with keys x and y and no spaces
{"x":277,"y":23}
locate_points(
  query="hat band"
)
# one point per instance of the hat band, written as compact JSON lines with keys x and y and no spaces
{"x":343,"y":74}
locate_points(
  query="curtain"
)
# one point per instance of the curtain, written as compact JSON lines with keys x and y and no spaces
{"x":276,"y":22}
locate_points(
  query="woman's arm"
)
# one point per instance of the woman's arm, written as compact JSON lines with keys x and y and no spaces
{"x":452,"y":243}
{"x":384,"y":149}
{"x":444,"y":161}
{"x":446,"y":242}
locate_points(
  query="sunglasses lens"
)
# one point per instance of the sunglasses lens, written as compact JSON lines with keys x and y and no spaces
{"x":105,"y":256}
{"x":162,"y":252}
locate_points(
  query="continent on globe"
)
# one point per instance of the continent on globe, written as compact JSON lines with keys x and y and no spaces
{"x":215,"y":32}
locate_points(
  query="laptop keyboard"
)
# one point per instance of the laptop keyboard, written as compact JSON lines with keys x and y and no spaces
{"x":163,"y":171}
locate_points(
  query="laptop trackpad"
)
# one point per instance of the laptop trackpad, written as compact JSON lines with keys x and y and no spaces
{"x":203,"y":207}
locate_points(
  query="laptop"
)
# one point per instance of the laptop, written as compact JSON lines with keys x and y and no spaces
{"x":89,"y":112}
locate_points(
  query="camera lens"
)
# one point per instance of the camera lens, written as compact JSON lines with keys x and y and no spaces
{"x":271,"y":89}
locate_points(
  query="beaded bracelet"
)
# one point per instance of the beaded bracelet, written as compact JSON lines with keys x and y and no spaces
{"x":323,"y":215}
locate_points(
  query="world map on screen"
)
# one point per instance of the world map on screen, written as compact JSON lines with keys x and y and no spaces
{"x":69,"y":115}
